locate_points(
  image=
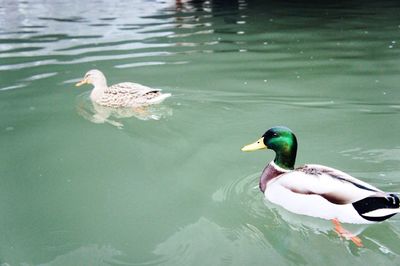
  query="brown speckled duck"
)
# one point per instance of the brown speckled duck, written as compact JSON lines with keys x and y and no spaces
{"x":125,"y":94}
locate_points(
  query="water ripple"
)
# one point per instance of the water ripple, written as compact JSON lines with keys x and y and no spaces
{"x":17,"y":86}
{"x":41,"y":76}
{"x":374,"y":155}
{"x":245,"y":190}
{"x":68,"y":19}
{"x":28,"y":64}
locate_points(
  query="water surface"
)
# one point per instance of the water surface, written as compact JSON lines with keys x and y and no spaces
{"x":177,"y":190}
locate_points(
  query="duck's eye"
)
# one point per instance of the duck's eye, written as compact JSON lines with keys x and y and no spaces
{"x":275,"y":134}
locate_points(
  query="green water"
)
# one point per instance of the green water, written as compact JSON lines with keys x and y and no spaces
{"x":177,"y":190}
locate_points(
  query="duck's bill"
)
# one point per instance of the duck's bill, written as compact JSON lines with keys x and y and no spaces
{"x":80,"y":83}
{"x":258,"y":145}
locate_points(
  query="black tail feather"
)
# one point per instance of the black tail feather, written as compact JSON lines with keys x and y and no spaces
{"x":391,"y":201}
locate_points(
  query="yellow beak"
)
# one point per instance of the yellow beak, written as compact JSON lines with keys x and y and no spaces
{"x":258,"y":145}
{"x":80,"y":83}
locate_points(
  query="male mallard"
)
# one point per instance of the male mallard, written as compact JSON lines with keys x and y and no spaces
{"x":317,"y":190}
{"x":126,"y":94}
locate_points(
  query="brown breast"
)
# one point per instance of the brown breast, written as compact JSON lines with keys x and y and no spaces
{"x":270,"y":172}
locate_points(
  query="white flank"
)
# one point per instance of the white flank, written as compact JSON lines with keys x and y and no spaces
{"x":312,"y":205}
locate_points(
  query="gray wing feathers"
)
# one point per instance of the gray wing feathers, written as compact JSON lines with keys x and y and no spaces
{"x":331,"y":184}
{"x":128,"y":94}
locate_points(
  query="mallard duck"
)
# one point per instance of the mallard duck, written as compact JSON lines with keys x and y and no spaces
{"x":125,"y":94}
{"x":317,"y":190}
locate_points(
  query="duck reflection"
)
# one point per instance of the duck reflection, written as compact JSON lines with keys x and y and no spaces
{"x":99,"y":114}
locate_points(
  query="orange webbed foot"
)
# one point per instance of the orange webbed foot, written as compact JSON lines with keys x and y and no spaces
{"x":346,"y":234}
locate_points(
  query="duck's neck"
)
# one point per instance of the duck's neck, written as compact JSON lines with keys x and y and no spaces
{"x":286,"y":158}
{"x":99,"y":87}
{"x":283,"y":163}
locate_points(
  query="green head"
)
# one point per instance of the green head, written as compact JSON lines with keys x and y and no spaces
{"x":282,"y":141}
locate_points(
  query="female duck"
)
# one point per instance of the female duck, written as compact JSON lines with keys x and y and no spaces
{"x":317,"y":190}
{"x":126,"y":94}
